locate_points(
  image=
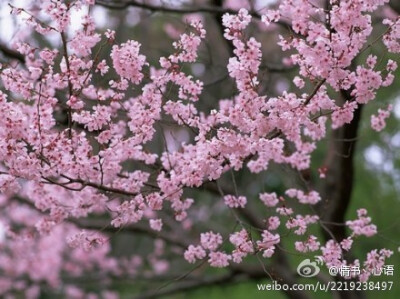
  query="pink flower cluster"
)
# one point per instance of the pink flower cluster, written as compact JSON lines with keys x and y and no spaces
{"x":378,"y":122}
{"x":243,"y":245}
{"x":235,"y":24}
{"x":310,"y":245}
{"x":301,"y":223}
{"x":129,"y":212}
{"x":311,"y":197}
{"x":235,"y":202}
{"x":269,"y":199}
{"x":362,"y":225}
{"x":268,"y":242}
{"x":391,"y":38}
{"x":209,"y":241}
{"x":127,"y":61}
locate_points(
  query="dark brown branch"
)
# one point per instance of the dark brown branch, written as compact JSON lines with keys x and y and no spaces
{"x":168,"y":9}
{"x":395,"y":5}
{"x":11,"y":53}
{"x":314,"y":92}
{"x":99,"y":187}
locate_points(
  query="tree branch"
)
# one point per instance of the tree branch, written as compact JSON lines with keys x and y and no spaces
{"x":339,"y":181}
{"x":103,"y":226}
{"x":395,"y":5}
{"x":11,"y":53}
{"x":168,"y":9}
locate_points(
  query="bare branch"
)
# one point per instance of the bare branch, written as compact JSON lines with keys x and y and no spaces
{"x":11,"y":53}
{"x":395,"y":5}
{"x":189,"y":285}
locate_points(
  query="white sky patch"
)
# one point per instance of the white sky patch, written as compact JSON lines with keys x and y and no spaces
{"x":395,"y":140}
{"x":7,"y":25}
{"x":175,"y":137}
{"x":76,"y":19}
{"x":2,"y":232}
{"x":100,"y":16}
{"x":396,"y":107}
{"x":261,"y":4}
{"x":374,"y":155}
{"x":198,"y":69}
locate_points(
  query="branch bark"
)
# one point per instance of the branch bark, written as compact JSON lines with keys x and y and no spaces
{"x":339,"y":181}
{"x":338,"y":187}
{"x":11,"y":53}
{"x":169,"y":9}
{"x":395,"y":5}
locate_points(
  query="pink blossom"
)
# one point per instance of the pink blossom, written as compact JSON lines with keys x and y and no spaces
{"x":129,"y":212}
{"x":311,"y":197}
{"x":391,"y":37}
{"x":346,"y":243}
{"x":332,"y":254}
{"x":273,"y":223}
{"x":219,"y":259}
{"x":127,"y":61}
{"x":243,"y":245}
{"x":194,"y":253}
{"x":301,"y":223}
{"x":362,"y":225}
{"x":311,"y":244}
{"x":87,"y":143}
{"x":268,"y":242}
{"x":235,"y":202}
{"x":210,"y":240}
{"x":343,"y":115}
{"x":235,"y":24}
{"x":270,"y":16}
{"x":156,"y":224}
{"x":269,"y":199}
{"x":378,"y":122}
{"x":85,"y":240}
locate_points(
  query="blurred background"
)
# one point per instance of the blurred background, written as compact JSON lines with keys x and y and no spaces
{"x":376,"y":158}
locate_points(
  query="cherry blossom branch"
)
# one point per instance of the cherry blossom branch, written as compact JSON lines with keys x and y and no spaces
{"x":314,"y":92}
{"x":104,"y":226}
{"x":100,"y":187}
{"x":216,"y":9}
{"x":156,"y":8}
